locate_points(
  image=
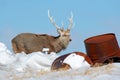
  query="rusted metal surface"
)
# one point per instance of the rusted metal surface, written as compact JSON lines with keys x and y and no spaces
{"x":58,"y":62}
{"x":102,"y":47}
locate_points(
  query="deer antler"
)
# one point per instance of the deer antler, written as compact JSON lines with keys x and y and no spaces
{"x":71,"y":21}
{"x":52,"y":21}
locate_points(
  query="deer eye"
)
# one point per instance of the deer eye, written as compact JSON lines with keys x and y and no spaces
{"x":64,"y":35}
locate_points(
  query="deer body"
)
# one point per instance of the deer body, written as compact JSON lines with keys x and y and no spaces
{"x":29,"y":42}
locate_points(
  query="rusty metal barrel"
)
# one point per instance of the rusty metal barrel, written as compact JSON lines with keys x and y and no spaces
{"x":103,"y":47}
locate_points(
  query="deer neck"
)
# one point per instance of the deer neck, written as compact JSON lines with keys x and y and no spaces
{"x":62,"y":41}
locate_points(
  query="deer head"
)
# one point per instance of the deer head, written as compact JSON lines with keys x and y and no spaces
{"x":63,"y":33}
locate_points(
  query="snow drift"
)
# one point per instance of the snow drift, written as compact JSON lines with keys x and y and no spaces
{"x":36,"y":66}
{"x":21,"y":61}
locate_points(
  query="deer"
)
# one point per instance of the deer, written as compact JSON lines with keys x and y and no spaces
{"x":31,"y":42}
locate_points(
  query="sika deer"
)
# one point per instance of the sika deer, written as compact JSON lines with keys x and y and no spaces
{"x":29,"y":42}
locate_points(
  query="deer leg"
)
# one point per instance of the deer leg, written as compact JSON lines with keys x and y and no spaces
{"x":17,"y":48}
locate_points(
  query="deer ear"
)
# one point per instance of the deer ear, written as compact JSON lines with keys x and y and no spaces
{"x":60,"y":31}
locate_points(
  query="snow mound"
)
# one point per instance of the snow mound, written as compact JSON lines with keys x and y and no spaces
{"x":107,"y":72}
{"x":36,"y":66}
{"x":21,"y":61}
{"x":6,"y":56}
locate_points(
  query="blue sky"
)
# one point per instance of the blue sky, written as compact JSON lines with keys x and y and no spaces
{"x":91,"y":18}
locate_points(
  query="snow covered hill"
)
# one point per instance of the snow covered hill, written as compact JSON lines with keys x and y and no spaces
{"x":36,"y":66}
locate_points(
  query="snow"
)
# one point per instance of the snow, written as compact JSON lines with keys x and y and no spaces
{"x":76,"y":61}
{"x":36,"y":66}
{"x":21,"y":61}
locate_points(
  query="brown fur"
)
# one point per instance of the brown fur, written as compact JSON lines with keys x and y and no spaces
{"x":29,"y":42}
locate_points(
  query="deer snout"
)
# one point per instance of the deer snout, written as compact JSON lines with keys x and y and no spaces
{"x":70,"y":39}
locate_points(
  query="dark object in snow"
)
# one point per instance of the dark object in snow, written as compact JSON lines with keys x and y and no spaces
{"x":72,"y":60}
{"x":29,"y":42}
{"x":103,"y":48}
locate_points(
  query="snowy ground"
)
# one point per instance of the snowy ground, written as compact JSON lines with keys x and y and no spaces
{"x":36,"y":66}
